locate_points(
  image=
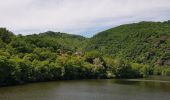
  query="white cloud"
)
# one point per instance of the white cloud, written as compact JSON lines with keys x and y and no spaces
{"x":78,"y":16}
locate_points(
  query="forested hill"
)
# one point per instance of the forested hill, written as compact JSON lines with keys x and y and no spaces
{"x":127,"y":51}
{"x":55,"y":41}
{"x":144,"y":42}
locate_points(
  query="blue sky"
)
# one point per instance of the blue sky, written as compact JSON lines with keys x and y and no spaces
{"x":82,"y":17}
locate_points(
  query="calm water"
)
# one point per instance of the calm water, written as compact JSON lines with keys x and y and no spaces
{"x":133,"y":89}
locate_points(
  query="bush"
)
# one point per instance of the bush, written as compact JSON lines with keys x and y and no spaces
{"x":8,"y":71}
{"x":123,"y":70}
{"x":140,"y":70}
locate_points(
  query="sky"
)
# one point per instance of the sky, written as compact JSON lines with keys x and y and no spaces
{"x":81,"y":17}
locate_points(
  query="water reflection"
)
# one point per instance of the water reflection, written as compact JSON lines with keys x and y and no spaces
{"x":89,"y":90}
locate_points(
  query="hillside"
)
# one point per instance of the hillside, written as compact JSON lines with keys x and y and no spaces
{"x":127,"y":51}
{"x":144,"y":42}
{"x":54,"y":41}
{"x":37,"y":57}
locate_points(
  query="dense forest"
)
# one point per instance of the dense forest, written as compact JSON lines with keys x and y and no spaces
{"x":127,"y":51}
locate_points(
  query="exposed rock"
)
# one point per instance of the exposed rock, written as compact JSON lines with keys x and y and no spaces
{"x":79,"y":53}
{"x":164,"y":62}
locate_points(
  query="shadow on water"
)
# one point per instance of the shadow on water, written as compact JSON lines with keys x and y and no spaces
{"x":152,"y":82}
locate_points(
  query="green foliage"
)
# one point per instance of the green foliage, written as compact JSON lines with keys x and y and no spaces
{"x":25,"y":70}
{"x":140,"y":69}
{"x":127,"y":51}
{"x":8,"y":71}
{"x":144,"y":42}
{"x":5,"y":35}
{"x":99,"y":67}
{"x":164,"y":71}
{"x":90,"y":56}
{"x":122,"y":69}
{"x":56,"y":71}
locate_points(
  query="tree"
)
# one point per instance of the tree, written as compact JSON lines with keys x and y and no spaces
{"x":90,"y":56}
{"x":110,"y":63}
{"x":21,"y":46}
{"x":8,"y":71}
{"x":73,"y":68}
{"x":5,"y":35}
{"x":140,"y":70}
{"x":41,"y":70}
{"x":98,"y":69}
{"x":56,"y":70}
{"x":122,"y":69}
{"x":25,"y":73}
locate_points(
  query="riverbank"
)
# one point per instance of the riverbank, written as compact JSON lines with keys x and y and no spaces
{"x":151,"y":78}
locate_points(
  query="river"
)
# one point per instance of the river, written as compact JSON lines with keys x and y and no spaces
{"x":154,"y":88}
